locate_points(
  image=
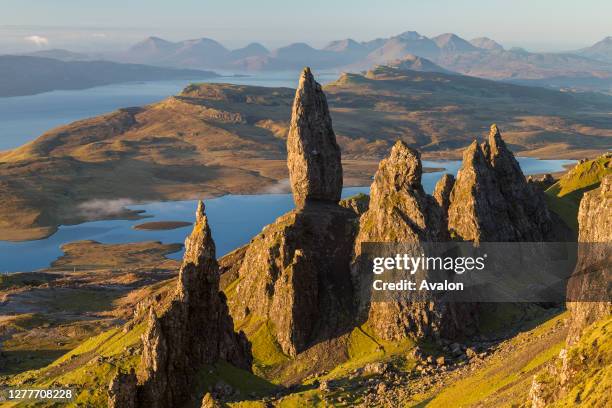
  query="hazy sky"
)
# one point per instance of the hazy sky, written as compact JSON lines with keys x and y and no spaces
{"x":106,"y":24}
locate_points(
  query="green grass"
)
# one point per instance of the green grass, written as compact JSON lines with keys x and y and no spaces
{"x":243,"y":381}
{"x":497,"y":317}
{"x":584,"y":175}
{"x":564,"y":196}
{"x":365,"y":348}
{"x":590,"y":361}
{"x":88,"y":368}
{"x":510,"y":374}
{"x":266,"y":351}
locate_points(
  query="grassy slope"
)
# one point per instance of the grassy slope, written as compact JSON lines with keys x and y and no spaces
{"x":564,"y":196}
{"x":503,"y":380}
{"x":591,"y":382}
{"x":506,"y":378}
{"x":89,"y":368}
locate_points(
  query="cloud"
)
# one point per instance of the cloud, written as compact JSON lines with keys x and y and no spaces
{"x":37,"y":40}
{"x":97,"y":209}
{"x":281,"y":187}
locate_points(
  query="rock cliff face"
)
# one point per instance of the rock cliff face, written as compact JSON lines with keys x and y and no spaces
{"x":587,"y":353}
{"x":593,"y":269}
{"x":122,"y":391}
{"x":194,"y":329}
{"x":313,"y":156}
{"x":400,"y":211}
{"x":295,"y":273}
{"x":491,"y":200}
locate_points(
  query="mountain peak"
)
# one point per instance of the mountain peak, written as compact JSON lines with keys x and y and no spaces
{"x":347,"y":44}
{"x":411,"y":35}
{"x":452,"y":42}
{"x":486,"y":43}
{"x":152,"y":44}
{"x":416,"y":63}
{"x":153,"y":38}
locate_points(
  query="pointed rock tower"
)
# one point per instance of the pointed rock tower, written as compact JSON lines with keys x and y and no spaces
{"x":295,"y":274}
{"x":491,"y":200}
{"x":192,"y":330}
{"x":313,"y":156}
{"x":399,"y":208}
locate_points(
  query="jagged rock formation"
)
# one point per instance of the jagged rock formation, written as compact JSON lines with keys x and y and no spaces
{"x":359,"y":203}
{"x":492,"y":202}
{"x":442,"y":191}
{"x":399,"y":208}
{"x":194,"y":329}
{"x":313,"y":156}
{"x":543,"y":182}
{"x":122,"y":390}
{"x":295,"y":273}
{"x":400,"y":211}
{"x":593,"y":269}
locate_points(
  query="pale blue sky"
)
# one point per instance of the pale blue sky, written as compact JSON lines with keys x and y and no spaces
{"x":105,"y":24}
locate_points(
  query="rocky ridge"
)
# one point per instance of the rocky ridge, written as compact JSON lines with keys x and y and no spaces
{"x":401,"y":212}
{"x":284,"y":268}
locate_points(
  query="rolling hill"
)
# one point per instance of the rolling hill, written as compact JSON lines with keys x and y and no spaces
{"x":26,"y":75}
{"x":214,"y":139}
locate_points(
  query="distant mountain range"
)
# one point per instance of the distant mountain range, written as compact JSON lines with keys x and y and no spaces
{"x":27,"y":75}
{"x":482,"y":57}
{"x":585,"y":69}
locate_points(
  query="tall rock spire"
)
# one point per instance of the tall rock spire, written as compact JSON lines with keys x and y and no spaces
{"x":192,"y":329}
{"x":295,"y":273}
{"x":313,"y":156}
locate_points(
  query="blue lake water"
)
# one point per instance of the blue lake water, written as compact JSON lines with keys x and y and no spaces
{"x":23,"y":118}
{"x":234,"y":220}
